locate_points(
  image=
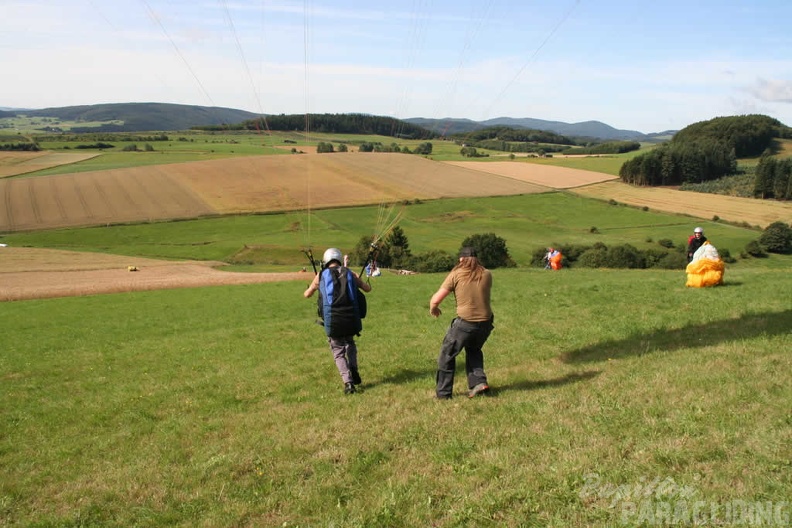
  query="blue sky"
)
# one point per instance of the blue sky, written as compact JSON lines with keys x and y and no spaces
{"x":646,"y":66}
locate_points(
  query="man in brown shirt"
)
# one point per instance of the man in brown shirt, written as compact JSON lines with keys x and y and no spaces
{"x":471,"y":284}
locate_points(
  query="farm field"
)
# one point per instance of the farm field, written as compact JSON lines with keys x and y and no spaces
{"x":729,"y":208}
{"x":545,"y":175}
{"x":238,"y":185}
{"x":15,"y":163}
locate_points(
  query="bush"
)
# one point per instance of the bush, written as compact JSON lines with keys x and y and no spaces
{"x":435,"y":261}
{"x":673,"y":260}
{"x":625,"y":256}
{"x":754,"y":249}
{"x":653,"y":255}
{"x":777,"y":238}
{"x":573,"y":252}
{"x":594,"y":258}
{"x":725,"y":256}
{"x":666,"y":243}
{"x":491,"y":250}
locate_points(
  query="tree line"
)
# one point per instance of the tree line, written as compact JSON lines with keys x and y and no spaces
{"x":704,"y":151}
{"x":331,"y":124}
{"x":773,"y":178}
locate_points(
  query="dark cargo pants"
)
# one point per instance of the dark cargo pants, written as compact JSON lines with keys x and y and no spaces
{"x":470,"y":336}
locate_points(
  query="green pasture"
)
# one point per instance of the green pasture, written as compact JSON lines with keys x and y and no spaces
{"x":33,"y":125}
{"x":619,"y":398}
{"x":525,"y":222}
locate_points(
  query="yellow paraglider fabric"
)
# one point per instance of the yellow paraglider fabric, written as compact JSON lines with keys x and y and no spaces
{"x":704,"y":272}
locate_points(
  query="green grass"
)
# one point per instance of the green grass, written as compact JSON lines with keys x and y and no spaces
{"x":221,"y":406}
{"x":525,"y":222}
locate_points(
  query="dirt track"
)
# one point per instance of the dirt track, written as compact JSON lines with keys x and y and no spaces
{"x":33,"y":273}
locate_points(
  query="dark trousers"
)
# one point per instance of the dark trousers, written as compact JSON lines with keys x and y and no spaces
{"x":470,"y":336}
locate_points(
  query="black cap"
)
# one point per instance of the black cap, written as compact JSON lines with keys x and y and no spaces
{"x":467,"y":251}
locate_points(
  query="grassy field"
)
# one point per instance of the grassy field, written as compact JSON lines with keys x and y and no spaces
{"x":620,"y":398}
{"x":525,"y":222}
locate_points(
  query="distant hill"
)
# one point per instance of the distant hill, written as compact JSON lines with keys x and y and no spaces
{"x":140,"y":117}
{"x":585,"y":129}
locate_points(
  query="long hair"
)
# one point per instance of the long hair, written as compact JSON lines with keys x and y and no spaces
{"x":473,"y":266}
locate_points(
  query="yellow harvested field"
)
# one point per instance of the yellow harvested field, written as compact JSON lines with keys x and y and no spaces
{"x":546,"y":175}
{"x":250,"y":184}
{"x":94,"y":198}
{"x":15,"y":163}
{"x":729,"y":208}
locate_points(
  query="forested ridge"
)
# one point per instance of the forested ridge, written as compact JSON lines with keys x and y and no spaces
{"x":708,"y":150}
{"x":331,"y":124}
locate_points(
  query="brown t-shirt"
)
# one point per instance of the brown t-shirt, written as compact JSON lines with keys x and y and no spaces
{"x":472,"y":298}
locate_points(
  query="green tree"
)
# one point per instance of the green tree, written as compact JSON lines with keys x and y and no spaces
{"x":777,"y":238}
{"x":491,"y":250}
{"x":397,"y":249}
{"x":324,"y":147}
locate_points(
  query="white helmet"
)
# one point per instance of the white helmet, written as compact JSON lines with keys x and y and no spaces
{"x":698,"y":230}
{"x":332,"y":254}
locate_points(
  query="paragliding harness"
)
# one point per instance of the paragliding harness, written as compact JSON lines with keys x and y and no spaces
{"x":340,"y":305}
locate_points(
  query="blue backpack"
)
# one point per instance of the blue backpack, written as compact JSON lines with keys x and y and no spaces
{"x":341,"y":305}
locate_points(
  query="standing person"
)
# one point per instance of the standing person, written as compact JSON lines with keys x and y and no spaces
{"x":471,"y":284}
{"x":695,"y":241}
{"x":340,"y":309}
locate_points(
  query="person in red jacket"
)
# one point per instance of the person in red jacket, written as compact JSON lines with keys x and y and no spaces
{"x":695,"y":241}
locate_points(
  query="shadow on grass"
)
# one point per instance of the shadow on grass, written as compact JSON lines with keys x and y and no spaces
{"x":403,"y":376}
{"x":526,"y":385}
{"x":708,"y":334}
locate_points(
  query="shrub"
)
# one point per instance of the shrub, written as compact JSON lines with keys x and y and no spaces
{"x":653,"y":255}
{"x":754,"y":249}
{"x":435,"y":261}
{"x":594,"y":230}
{"x":625,"y":256}
{"x":573,"y":252}
{"x":666,"y":243}
{"x":593,"y":258}
{"x":674,"y":260}
{"x":777,"y":238}
{"x":725,"y":256}
{"x":491,"y":250}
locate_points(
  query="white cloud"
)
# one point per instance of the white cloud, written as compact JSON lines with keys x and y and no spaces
{"x":772,"y":91}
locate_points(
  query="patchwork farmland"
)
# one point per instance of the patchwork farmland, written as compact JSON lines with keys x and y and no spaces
{"x":285,"y":183}
{"x":242,"y":185}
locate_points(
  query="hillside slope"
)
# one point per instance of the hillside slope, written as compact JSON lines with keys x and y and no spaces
{"x":139,"y":117}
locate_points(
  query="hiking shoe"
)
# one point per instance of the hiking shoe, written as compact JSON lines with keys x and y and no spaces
{"x":438,"y":397}
{"x":349,"y":388}
{"x":481,"y":388}
{"x":356,"y":377}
